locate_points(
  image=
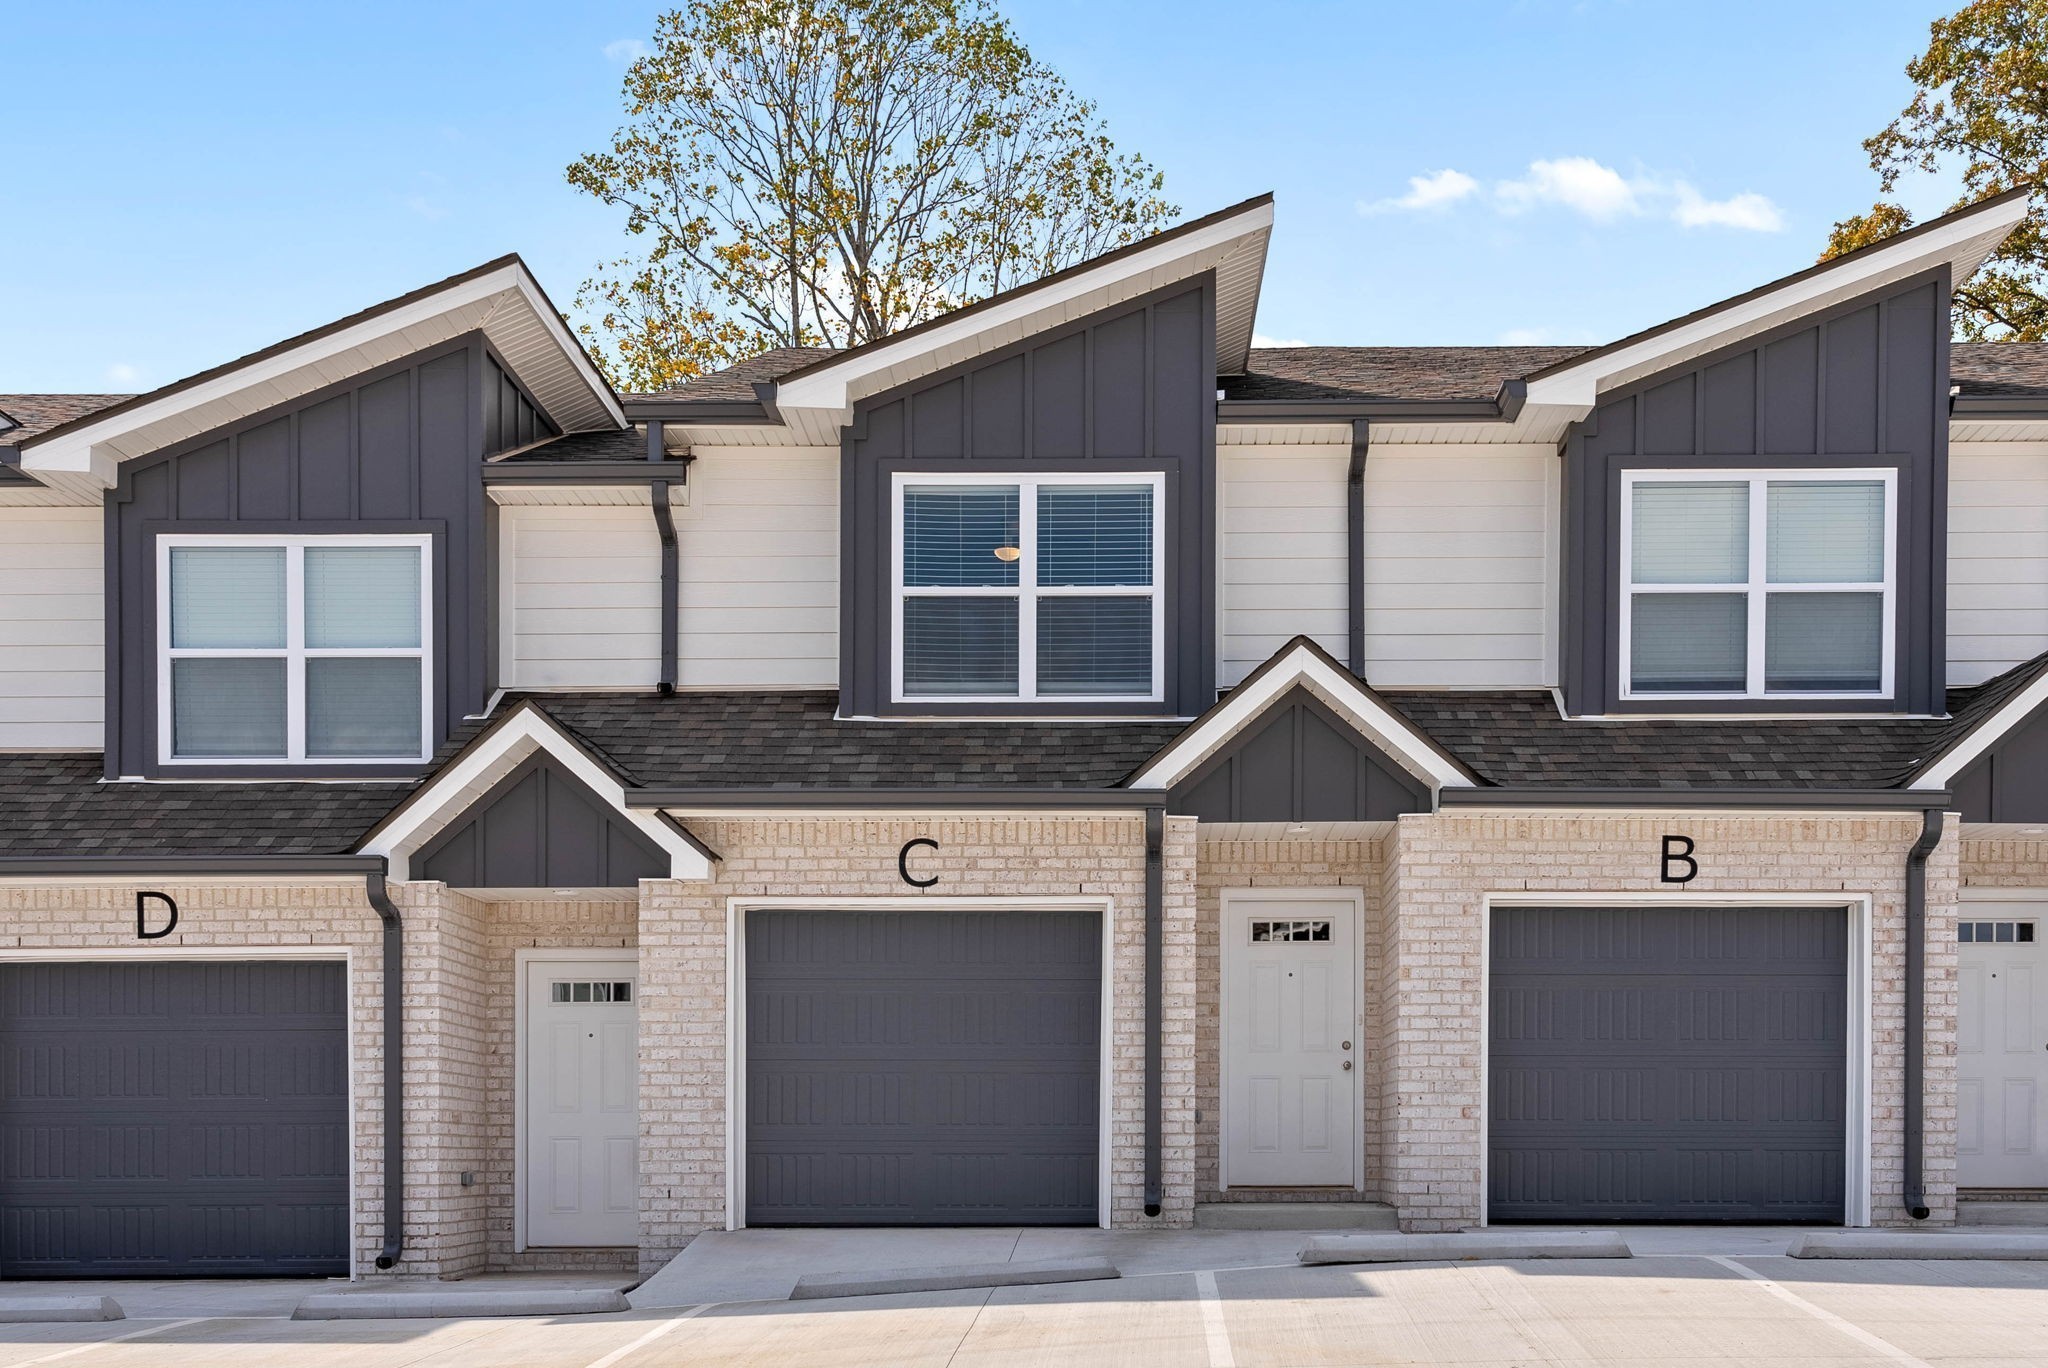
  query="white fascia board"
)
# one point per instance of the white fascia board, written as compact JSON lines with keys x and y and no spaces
{"x":1963,"y":243}
{"x":831,"y":387}
{"x":1335,"y":687}
{"x":452,"y":792}
{"x":78,"y":451}
{"x":1988,"y":734}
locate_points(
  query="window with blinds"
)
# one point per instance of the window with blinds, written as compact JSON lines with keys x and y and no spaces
{"x":292,"y":649}
{"x":1027,"y":588}
{"x":1758,"y":584}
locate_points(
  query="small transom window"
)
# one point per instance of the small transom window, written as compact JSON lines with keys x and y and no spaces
{"x":292,"y":649}
{"x":1290,"y":931}
{"x":1995,"y":932}
{"x":1028,"y":588}
{"x":589,"y":990}
{"x":1758,"y":585}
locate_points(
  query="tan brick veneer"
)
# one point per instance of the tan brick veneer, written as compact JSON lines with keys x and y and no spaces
{"x":683,"y":980}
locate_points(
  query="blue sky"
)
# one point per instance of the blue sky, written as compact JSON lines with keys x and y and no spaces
{"x":186,"y":183}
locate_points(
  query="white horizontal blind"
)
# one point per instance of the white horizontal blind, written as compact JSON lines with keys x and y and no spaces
{"x":1027,"y":587}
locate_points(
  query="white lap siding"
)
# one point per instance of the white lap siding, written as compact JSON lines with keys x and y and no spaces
{"x":52,"y":616}
{"x":758,"y":542}
{"x":1997,"y":557}
{"x":1460,"y":554}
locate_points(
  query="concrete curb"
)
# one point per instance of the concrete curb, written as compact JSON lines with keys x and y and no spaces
{"x":1464,"y":1247}
{"x":581,"y":1301}
{"x":1023,"y":1273}
{"x":40,"y":1310}
{"x":1919,"y":1244}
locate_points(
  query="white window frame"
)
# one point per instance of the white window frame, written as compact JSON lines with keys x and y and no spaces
{"x":1755,"y":589}
{"x":294,"y":652}
{"x":1027,"y":591}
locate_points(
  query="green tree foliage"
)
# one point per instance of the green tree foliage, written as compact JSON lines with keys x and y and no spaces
{"x":825,"y":172}
{"x":1980,"y":108}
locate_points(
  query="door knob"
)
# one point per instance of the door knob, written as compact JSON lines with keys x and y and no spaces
{"x":1347,"y":1044}
{"x":1347,"y":1066}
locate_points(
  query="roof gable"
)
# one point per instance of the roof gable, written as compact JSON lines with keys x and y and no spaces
{"x":1300,"y":762}
{"x":1303,"y":665}
{"x":500,"y":299}
{"x":540,"y":827}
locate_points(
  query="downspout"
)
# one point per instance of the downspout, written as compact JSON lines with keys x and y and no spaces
{"x":1155,"y":978}
{"x":1354,"y":528}
{"x":671,"y":585}
{"x":394,"y":1069}
{"x":1916,"y":1008}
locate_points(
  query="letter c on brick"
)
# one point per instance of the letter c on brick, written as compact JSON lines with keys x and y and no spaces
{"x":903,"y":861}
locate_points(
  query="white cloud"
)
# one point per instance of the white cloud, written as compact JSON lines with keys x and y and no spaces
{"x":121,"y":373}
{"x":1577,"y":183}
{"x":1431,"y":190}
{"x":1749,"y":211}
{"x":626,"y":51}
{"x":1261,"y":340}
{"x":1593,"y":190}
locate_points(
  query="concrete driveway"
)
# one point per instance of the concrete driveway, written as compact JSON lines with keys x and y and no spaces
{"x":1689,"y":1297}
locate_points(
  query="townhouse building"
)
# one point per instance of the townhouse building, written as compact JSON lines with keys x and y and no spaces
{"x":1058,"y":764}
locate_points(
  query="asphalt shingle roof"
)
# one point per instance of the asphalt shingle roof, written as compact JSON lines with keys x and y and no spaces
{"x":38,"y":413}
{"x":616,"y":444}
{"x":736,"y":382}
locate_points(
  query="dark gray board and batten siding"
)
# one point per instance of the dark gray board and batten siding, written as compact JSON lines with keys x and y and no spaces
{"x":394,"y":450}
{"x":1667,"y":1064}
{"x":540,"y":827}
{"x":1300,"y":763}
{"x":2009,"y":782}
{"x":923,"y":1068}
{"x":1131,"y":388}
{"x":1865,"y":384}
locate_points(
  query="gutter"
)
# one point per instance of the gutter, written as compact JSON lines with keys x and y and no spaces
{"x":2009,"y":408}
{"x":994,"y":797}
{"x":581,"y":472}
{"x":722,"y":412}
{"x":1504,"y":407}
{"x":1354,"y":530}
{"x":394,"y":1067}
{"x":1916,"y":1010}
{"x":231,"y":866}
{"x":1155,"y":977}
{"x":1876,"y":800}
{"x":671,"y":579}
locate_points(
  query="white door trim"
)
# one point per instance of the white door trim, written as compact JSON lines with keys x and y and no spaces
{"x":736,"y":1019}
{"x":345,"y":954}
{"x":1354,"y":900}
{"x":1857,"y":1042}
{"x":550,"y":954}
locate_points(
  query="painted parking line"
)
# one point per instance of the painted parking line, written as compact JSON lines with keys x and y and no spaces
{"x":619,"y":1354}
{"x":1213,"y":1328}
{"x":76,"y":1350}
{"x":1820,"y":1313}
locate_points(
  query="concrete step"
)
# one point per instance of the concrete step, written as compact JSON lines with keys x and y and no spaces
{"x":1983,"y":1213}
{"x":1465,"y":1246}
{"x":1920,"y":1244}
{"x":38,"y":1310}
{"x":1023,"y":1273}
{"x":379,"y":1304}
{"x":1295,"y":1216}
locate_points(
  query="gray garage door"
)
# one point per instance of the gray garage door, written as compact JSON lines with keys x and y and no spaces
{"x":173,"y":1119}
{"x":1660,"y":1064}
{"x":922,"y":1068}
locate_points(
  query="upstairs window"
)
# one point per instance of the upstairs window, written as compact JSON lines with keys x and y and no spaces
{"x":1028,"y":588}
{"x":292,"y":649}
{"x":1758,"y":584}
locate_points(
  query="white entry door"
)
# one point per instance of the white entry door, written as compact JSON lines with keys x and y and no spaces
{"x":582,"y":1103}
{"x":2002,"y":1045}
{"x":1290,"y":1040}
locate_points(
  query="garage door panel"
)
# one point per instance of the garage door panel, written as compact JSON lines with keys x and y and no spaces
{"x":1667,"y":1063}
{"x":922,"y":1067}
{"x":173,"y":1119}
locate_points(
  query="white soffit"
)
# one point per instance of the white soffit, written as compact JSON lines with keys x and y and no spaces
{"x":504,"y":302}
{"x":1959,"y":241}
{"x":472,"y":774}
{"x":1300,"y":664}
{"x":818,"y":401}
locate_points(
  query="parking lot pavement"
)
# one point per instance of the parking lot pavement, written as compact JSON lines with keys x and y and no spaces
{"x":1699,"y":1308}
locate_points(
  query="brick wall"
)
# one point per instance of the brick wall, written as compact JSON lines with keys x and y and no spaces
{"x":683,"y":980}
{"x":1447,"y":863}
{"x":1223,"y":862}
